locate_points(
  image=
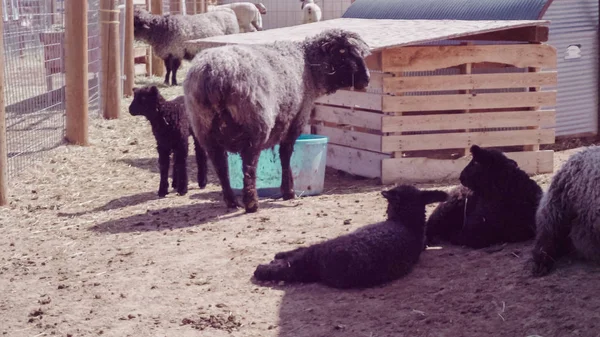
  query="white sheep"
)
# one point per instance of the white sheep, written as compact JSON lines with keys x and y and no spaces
{"x":248,"y":14}
{"x":311,"y":12}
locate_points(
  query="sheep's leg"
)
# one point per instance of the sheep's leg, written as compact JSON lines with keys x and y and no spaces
{"x":163,"y":165}
{"x":552,"y":239}
{"x":249,"y":164}
{"x":167,"y":61}
{"x":175,"y":176}
{"x":286,"y":148}
{"x":218,"y":156}
{"x":175,"y":63}
{"x":180,"y":159}
{"x":201,"y":162}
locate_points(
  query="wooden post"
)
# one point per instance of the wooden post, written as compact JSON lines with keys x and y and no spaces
{"x":111,"y":67}
{"x":158,"y":65}
{"x":76,"y":72}
{"x":3,"y":146}
{"x":129,"y":58}
{"x":175,"y":6}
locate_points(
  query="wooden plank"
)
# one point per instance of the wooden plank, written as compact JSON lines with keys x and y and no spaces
{"x":373,"y":61}
{"x":468,"y":101}
{"x":355,"y":99}
{"x":139,"y":51}
{"x":359,"y":162}
{"x":526,"y":34}
{"x":472,"y":120}
{"x":354,"y":139}
{"x":346,"y":116}
{"x":397,"y":170}
{"x":466,"y":139}
{"x":438,"y":57}
{"x":394,"y":85}
{"x":376,"y":81}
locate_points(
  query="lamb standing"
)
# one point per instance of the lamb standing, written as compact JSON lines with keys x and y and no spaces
{"x":248,"y":14}
{"x":167,"y":34}
{"x":244,"y":99}
{"x":568,"y":218}
{"x":496,"y":203}
{"x":370,"y":256}
{"x":310,"y":11}
{"x":171,"y":129}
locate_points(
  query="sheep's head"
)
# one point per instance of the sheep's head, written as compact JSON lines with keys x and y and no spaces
{"x":489,"y":169}
{"x":304,"y":2}
{"x":145,"y":102}
{"x":407,"y":200}
{"x":141,"y":27}
{"x":338,"y":55}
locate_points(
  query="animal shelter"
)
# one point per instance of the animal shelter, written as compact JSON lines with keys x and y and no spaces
{"x":427,"y":102}
{"x":573,"y":32}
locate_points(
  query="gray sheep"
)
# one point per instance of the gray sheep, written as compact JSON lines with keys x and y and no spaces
{"x":171,"y":129}
{"x":167,"y":34}
{"x":496,"y":203}
{"x":370,"y":256}
{"x":568,"y":218}
{"x":244,"y":99}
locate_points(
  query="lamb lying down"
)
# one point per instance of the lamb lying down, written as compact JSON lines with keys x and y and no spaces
{"x":370,"y":256}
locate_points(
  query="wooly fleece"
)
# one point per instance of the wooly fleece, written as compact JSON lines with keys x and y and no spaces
{"x":244,"y":99}
{"x":171,"y":129}
{"x":167,"y":33}
{"x":568,"y":218}
{"x":495,"y":204}
{"x":370,"y":256}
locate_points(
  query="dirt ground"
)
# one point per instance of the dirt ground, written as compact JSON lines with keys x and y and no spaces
{"x":87,"y":249}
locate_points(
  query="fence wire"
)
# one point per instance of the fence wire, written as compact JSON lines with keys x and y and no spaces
{"x":33,"y":83}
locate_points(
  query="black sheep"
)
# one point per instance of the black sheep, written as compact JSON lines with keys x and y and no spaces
{"x":370,"y":256}
{"x":171,"y":129}
{"x":495,"y":204}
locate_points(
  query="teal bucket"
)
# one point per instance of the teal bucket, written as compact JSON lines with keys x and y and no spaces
{"x":307,"y":163}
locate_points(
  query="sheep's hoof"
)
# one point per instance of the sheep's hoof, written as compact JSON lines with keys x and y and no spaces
{"x":289,"y":195}
{"x":162,"y":194}
{"x":182,"y":191}
{"x":541,"y":266}
{"x":252,"y":207}
{"x":202,"y":183}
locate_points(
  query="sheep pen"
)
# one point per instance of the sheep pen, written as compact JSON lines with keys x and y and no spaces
{"x":88,"y":249}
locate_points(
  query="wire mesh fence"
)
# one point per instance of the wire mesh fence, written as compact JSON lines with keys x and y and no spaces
{"x":33,"y":81}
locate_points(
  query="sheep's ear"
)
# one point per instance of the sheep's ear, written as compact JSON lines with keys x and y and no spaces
{"x":434,"y":196}
{"x":386,"y":194}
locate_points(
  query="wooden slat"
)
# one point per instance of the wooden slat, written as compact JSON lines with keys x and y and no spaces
{"x":356,"y":99}
{"x":526,"y":34}
{"x":373,"y":61}
{"x":394,"y":85}
{"x":346,"y":116}
{"x":438,"y":57}
{"x":471,"y":120}
{"x":376,"y":81}
{"x":468,"y":101}
{"x":463,"y":140}
{"x":354,"y":161}
{"x":355,"y":139}
{"x":396,"y":170}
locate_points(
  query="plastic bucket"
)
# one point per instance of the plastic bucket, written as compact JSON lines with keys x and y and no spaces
{"x":307,"y":163}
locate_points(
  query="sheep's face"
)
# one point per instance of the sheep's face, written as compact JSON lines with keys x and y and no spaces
{"x":487,"y":170}
{"x":145,"y":101}
{"x":141,"y":29}
{"x":343,"y":65}
{"x":406,"y":199}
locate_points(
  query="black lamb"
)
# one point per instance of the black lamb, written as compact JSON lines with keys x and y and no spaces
{"x":171,"y":129}
{"x":495,"y":204}
{"x":370,"y":256}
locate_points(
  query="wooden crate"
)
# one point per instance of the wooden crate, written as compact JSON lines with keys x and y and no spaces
{"x":427,"y":104}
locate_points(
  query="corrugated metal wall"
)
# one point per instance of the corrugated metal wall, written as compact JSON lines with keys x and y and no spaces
{"x":574,"y":24}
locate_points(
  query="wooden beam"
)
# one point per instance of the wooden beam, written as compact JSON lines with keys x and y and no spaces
{"x":525,"y":34}
{"x":354,"y":161}
{"x":466,"y":139}
{"x":346,"y":116}
{"x":129,"y":59}
{"x":111,"y":63}
{"x":421,"y":58}
{"x":76,"y":72}
{"x":3,"y":146}
{"x":473,"y":120}
{"x":158,"y":65}
{"x":468,"y":101}
{"x":398,"y":170}
{"x":394,"y":85}
{"x":353,"y":99}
